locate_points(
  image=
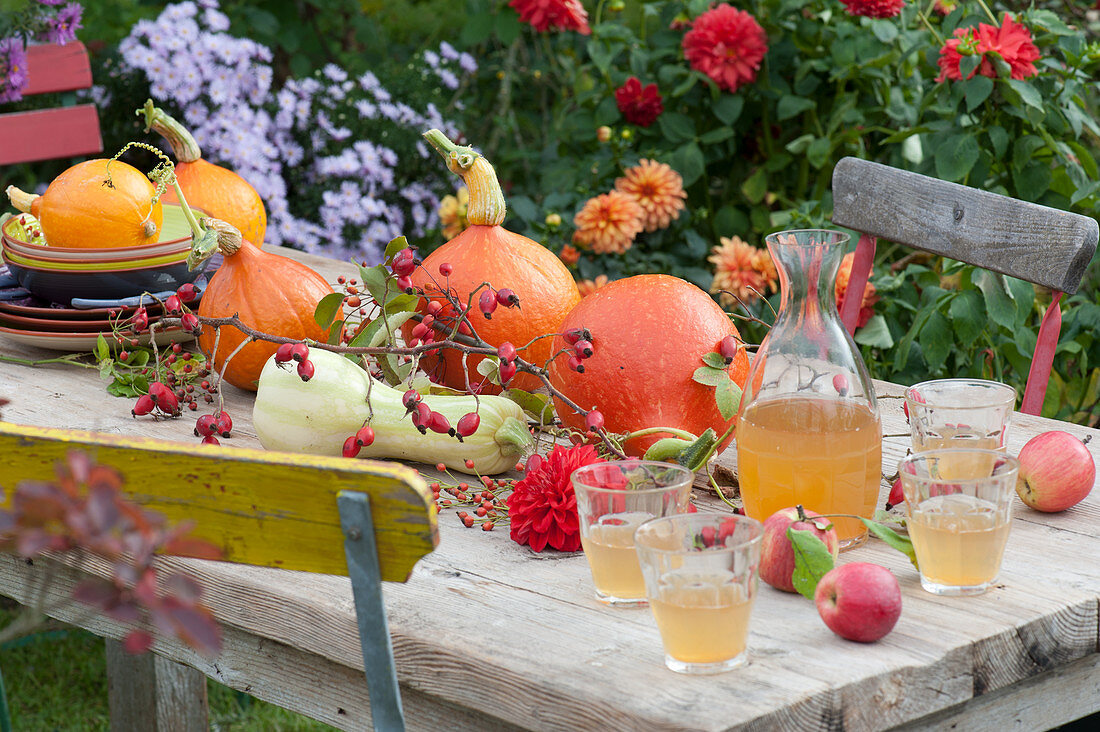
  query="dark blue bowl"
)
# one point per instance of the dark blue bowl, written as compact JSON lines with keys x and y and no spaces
{"x":63,"y":285}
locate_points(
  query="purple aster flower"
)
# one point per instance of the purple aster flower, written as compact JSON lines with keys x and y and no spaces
{"x":369,"y":82}
{"x":366,"y":109}
{"x":62,"y":28}
{"x":467,"y":62}
{"x":432,"y":58}
{"x":50,"y":2}
{"x":180,"y":11}
{"x":215,"y":20}
{"x":448,"y":51}
{"x":334,"y":73}
{"x":448,"y":78}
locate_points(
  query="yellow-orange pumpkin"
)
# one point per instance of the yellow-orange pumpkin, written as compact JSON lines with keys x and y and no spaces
{"x":269,"y":293}
{"x":649,"y":333}
{"x":95,"y":204}
{"x":487,"y":252}
{"x":218,"y":191}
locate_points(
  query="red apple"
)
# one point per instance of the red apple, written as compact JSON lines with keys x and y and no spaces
{"x":859,"y":601}
{"x":1056,"y":472}
{"x":776,"y":552}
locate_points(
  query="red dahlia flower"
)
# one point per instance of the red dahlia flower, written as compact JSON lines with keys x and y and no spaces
{"x":874,"y":8}
{"x":544,"y":15}
{"x":543,"y":507}
{"x":727,"y":45}
{"x":639,"y":105}
{"x":1011,"y":41}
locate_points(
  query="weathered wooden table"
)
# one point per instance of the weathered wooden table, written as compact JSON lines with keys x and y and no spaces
{"x":490,"y":636}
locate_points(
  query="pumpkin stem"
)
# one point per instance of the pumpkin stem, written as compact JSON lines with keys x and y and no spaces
{"x":20,"y":199}
{"x":229,"y":237}
{"x":184,"y":146}
{"x":486,"y":206}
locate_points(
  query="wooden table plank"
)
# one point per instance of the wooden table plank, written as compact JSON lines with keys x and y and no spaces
{"x":489,"y":635}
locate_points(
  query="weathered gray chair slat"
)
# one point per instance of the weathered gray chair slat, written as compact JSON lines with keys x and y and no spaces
{"x":1035,"y":243}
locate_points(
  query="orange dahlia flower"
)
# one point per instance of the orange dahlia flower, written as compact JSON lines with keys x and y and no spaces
{"x":569,"y":255}
{"x":587,"y":287}
{"x":608,"y":223}
{"x":870,"y":295}
{"x":658,"y":189}
{"x":452,"y":213}
{"x":741,"y":271}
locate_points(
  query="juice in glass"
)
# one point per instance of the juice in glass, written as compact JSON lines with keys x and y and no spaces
{"x":609,"y":548}
{"x":703,"y":618}
{"x":959,"y":465}
{"x":959,"y":539}
{"x":825,"y":454}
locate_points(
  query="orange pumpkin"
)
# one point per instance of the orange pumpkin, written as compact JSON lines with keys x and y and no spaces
{"x":269,"y":293}
{"x":487,"y":252}
{"x":216,"y":190}
{"x":649,"y":334}
{"x":95,"y":204}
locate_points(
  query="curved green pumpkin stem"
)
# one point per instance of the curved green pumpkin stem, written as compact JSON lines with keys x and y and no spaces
{"x":486,"y":206}
{"x":184,"y":147}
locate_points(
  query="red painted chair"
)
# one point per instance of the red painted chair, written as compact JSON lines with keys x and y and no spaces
{"x":61,"y":132}
{"x":1039,"y":244}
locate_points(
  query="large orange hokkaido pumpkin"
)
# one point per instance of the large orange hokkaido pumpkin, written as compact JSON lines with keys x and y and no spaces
{"x":95,"y":204}
{"x":269,"y":293}
{"x":218,"y":191}
{"x":649,"y":334}
{"x":487,"y":252}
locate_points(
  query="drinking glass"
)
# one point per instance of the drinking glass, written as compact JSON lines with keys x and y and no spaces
{"x":614,"y":499}
{"x":808,"y":431}
{"x":701,"y":576}
{"x":959,"y":503}
{"x":959,"y":413}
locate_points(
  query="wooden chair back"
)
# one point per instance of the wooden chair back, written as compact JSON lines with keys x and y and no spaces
{"x":270,"y":509}
{"x":60,"y":132}
{"x":1035,"y":243}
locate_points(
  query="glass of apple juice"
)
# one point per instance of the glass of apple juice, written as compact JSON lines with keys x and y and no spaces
{"x":959,"y":413}
{"x":959,"y":504}
{"x":613,"y":500}
{"x":701,"y":575}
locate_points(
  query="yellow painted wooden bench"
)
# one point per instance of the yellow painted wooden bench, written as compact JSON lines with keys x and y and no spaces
{"x":264,"y":508}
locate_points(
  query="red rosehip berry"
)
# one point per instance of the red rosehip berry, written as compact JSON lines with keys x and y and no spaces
{"x":583,"y":348}
{"x":575,"y":363}
{"x":487,"y":301}
{"x":573,"y":335}
{"x":594,"y":420}
{"x":351,"y":447}
{"x":299,"y":352}
{"x":468,"y":424}
{"x":420,"y":330}
{"x":223,"y":423}
{"x":190,"y":322}
{"x":205,"y":425}
{"x":446,"y":269}
{"x":140,"y":320}
{"x":124,"y":356}
{"x":405,"y":284}
{"x":840,"y":383}
{"x":421,"y":417}
{"x":727,"y":348}
{"x":210,"y":440}
{"x":506,"y":351}
{"x":434,"y":307}
{"x":365,"y":436}
{"x":438,"y":423}
{"x":410,"y":399}
{"x":172,"y":304}
{"x":187,"y":292}
{"x":143,"y":406}
{"x":507,"y":371}
{"x":306,"y":370}
{"x":507,"y":298}
{"x":283,"y":354}
{"x":469,"y":463}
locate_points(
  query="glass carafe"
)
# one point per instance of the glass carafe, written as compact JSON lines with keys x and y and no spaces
{"x":808,"y":430}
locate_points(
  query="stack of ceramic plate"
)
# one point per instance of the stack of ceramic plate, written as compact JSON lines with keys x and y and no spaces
{"x":58,"y":274}
{"x":63,"y":298}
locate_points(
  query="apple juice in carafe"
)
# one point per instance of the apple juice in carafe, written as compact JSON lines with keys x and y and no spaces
{"x":808,"y":430}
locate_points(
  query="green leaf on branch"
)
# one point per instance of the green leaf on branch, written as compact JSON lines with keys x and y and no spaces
{"x":728,"y":396}
{"x":327,"y":309}
{"x":978,"y":90}
{"x":710,"y":376}
{"x":811,"y":561}
{"x":102,"y":353}
{"x":891,"y":537}
{"x":728,"y":108}
{"x":875,"y":334}
{"x":538,"y":406}
{"x":395,"y":246}
{"x":714,"y":360}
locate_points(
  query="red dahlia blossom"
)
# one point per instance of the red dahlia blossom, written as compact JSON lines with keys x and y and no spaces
{"x":544,"y":15}
{"x":874,"y":8}
{"x":1011,"y":41}
{"x":727,"y":45}
{"x":639,"y":105}
{"x":543,"y":507}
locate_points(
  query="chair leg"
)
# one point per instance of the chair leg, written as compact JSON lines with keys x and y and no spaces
{"x":149,"y":693}
{"x":370,"y":612}
{"x":1043,"y":361}
{"x":857,"y":282}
